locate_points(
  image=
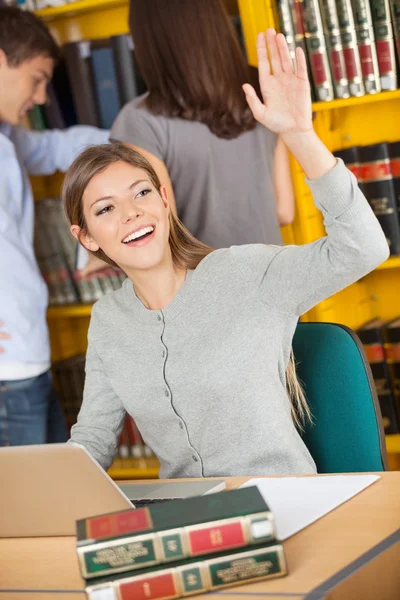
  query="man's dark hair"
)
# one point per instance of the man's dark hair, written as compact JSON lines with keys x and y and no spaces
{"x":24,"y":36}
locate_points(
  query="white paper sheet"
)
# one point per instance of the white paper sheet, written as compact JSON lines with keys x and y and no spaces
{"x":296,"y":502}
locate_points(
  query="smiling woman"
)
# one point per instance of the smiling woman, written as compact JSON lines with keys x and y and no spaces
{"x":196,"y":345}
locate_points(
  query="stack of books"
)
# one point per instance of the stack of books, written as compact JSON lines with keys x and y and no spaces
{"x":381,"y":341}
{"x":350,"y":44}
{"x":377,"y":169}
{"x":181,"y":547}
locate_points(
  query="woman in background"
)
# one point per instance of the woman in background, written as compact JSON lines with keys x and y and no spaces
{"x":229,"y":176}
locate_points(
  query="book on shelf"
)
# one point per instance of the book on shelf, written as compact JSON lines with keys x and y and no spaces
{"x":384,"y":40}
{"x":285,"y":15}
{"x":130,"y":81}
{"x":371,"y":336}
{"x":173,"y":531}
{"x":105,"y":82}
{"x":77,"y":57}
{"x":394,"y":153}
{"x":333,"y":39}
{"x":69,"y":378}
{"x":317,"y":52}
{"x":56,"y":251}
{"x":193,"y":576}
{"x":350,"y":48}
{"x":391,"y":334}
{"x":378,"y":187}
{"x":395,"y":8}
{"x":351,"y":160}
{"x":366,"y":45}
{"x":372,"y":167}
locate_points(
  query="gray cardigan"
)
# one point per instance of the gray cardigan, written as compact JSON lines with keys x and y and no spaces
{"x":204,"y":378}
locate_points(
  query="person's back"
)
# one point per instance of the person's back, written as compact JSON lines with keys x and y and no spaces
{"x":223,"y":188}
{"x":196,"y":129}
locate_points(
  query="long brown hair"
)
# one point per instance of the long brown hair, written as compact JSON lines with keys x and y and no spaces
{"x":192,"y":63}
{"x":187,"y":252}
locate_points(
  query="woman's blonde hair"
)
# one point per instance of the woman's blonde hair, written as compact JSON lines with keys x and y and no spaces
{"x":186,"y":250}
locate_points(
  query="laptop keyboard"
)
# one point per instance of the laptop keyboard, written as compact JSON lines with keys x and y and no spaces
{"x":147,"y":501}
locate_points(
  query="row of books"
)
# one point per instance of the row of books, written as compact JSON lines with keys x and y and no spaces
{"x":382,"y":346}
{"x":93,"y":82}
{"x":56,"y":252}
{"x":377,"y":168}
{"x":350,"y":44}
{"x":69,"y":379}
{"x":181,"y":547}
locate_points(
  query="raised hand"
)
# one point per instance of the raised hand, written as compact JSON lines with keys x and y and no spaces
{"x":287,"y":99}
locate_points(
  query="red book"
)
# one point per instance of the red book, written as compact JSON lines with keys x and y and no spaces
{"x":366,"y":45}
{"x":384,"y":39}
{"x":350,"y":48}
{"x":335,"y":49}
{"x":193,"y":576}
{"x":317,"y":51}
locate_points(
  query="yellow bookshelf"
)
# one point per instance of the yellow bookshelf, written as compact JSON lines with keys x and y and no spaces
{"x":341,"y":123}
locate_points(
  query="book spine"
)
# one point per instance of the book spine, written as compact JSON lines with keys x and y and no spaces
{"x":123,"y":443}
{"x":394,"y":153}
{"x":350,"y":49}
{"x":286,"y":25}
{"x":395,"y":6}
{"x":299,"y":36}
{"x":384,"y":40}
{"x":317,"y":52}
{"x":118,"y":555}
{"x":378,"y":187}
{"x":335,"y":49}
{"x":77,"y":56}
{"x":392,"y":352}
{"x":196,"y":577}
{"x":366,"y":45}
{"x":122,"y":48}
{"x":351,"y":160}
{"x":106,"y":86}
{"x":374,"y":350}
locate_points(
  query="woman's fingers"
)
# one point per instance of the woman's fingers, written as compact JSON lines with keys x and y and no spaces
{"x":274,"y":52}
{"x":255,"y":104}
{"x":301,"y":63}
{"x":286,"y":59}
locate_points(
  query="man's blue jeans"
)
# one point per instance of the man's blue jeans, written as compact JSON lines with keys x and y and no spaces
{"x":30,"y":412}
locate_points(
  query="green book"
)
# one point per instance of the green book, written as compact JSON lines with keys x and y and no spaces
{"x":36,"y":119}
{"x":193,"y":575}
{"x":173,"y":531}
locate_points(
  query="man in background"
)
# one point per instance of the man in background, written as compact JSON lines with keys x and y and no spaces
{"x":30,"y":412}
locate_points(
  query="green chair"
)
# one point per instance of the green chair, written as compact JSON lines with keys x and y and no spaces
{"x":347,"y":433}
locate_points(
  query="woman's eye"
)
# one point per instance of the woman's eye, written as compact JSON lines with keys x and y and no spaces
{"x":143,"y":193}
{"x":104,"y":210}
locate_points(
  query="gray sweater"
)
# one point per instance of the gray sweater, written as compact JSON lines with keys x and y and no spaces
{"x":204,"y":378}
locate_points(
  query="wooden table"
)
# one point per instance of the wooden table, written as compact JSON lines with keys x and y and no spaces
{"x":353,"y":553}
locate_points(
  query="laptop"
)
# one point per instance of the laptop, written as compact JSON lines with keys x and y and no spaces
{"x":46,"y":488}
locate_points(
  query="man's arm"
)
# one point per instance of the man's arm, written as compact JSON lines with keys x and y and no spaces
{"x":45,"y":152}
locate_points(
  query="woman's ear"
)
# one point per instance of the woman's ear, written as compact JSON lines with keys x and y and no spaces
{"x":84,"y":238}
{"x":164,"y":196}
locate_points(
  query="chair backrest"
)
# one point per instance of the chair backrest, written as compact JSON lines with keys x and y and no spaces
{"x":347,"y":433}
